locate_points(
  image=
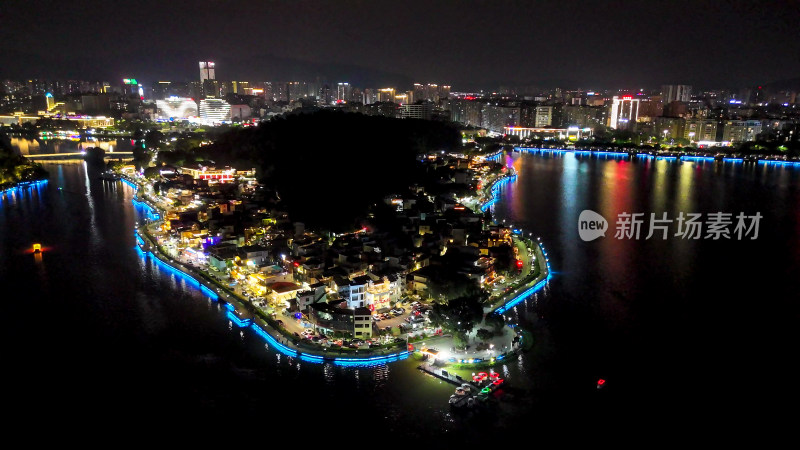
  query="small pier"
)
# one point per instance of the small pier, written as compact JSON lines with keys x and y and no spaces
{"x":479,"y":390}
{"x":445,"y":375}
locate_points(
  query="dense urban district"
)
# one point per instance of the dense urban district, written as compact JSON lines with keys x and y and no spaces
{"x":350,"y":220}
{"x":385,"y":264}
{"x":756,"y":119}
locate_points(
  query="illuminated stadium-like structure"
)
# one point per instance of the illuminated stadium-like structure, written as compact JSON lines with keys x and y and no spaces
{"x":176,"y":108}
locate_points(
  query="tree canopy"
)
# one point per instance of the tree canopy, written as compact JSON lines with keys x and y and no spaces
{"x":459,"y":315}
{"x":329,"y":166}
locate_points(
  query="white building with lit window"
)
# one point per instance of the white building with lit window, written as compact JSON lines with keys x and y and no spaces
{"x":624,"y":112}
{"x":214,"y":110}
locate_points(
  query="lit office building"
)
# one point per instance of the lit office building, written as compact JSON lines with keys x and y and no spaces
{"x":704,"y":130}
{"x":343,"y":92}
{"x":544,"y":116}
{"x":467,"y":112}
{"x":207,"y":71}
{"x":370,"y":96}
{"x":419,"y":91}
{"x":497,"y":117}
{"x":214,"y":110}
{"x":737,"y":131}
{"x":386,"y":95}
{"x":422,"y":110}
{"x":624,"y":111}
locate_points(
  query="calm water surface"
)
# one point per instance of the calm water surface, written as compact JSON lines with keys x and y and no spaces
{"x":678,"y":328}
{"x":49,"y":146}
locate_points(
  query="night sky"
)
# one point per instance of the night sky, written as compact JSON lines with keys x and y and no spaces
{"x":468,"y":44}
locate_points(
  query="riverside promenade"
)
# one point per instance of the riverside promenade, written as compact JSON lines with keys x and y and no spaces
{"x":243,"y":314}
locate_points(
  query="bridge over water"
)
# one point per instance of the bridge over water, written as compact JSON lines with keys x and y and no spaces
{"x":76,"y":156}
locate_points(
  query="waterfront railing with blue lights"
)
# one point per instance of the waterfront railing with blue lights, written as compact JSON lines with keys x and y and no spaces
{"x":671,"y":157}
{"x":130,"y":183}
{"x":20,"y":187}
{"x":779,"y":163}
{"x":231,"y":314}
{"x":494,"y":190}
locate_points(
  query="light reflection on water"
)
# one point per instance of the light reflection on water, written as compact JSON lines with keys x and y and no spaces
{"x":611,"y":311}
{"x":48,"y":146}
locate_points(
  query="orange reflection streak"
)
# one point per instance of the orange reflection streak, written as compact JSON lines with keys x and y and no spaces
{"x":616,"y":196}
{"x":516,"y":199}
{"x":30,"y":250}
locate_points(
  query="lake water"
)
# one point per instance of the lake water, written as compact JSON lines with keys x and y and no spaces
{"x":47,"y":146}
{"x":680,"y":329}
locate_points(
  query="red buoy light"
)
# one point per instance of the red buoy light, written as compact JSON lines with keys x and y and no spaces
{"x":600,"y":383}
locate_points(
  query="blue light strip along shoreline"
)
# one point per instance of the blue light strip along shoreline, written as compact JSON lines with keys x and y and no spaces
{"x":20,"y":187}
{"x":271,"y":341}
{"x":676,"y":158}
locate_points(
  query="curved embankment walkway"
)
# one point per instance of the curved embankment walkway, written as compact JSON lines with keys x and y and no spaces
{"x":539,"y":275}
{"x":148,"y":248}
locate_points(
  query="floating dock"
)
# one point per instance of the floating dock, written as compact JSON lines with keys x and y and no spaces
{"x":477,"y":392}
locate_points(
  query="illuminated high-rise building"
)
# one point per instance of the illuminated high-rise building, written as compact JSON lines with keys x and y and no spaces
{"x":208,"y":79}
{"x":624,"y":111}
{"x":370,"y":96}
{"x":50,"y":101}
{"x":431,"y":91}
{"x":241,"y":87}
{"x":343,"y":91}
{"x":386,"y":95}
{"x":419,"y":91}
{"x":207,"y":71}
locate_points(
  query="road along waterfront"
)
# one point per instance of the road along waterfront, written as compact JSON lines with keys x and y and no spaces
{"x":242,"y":312}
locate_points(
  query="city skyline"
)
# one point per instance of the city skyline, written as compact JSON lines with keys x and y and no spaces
{"x":471,"y":46}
